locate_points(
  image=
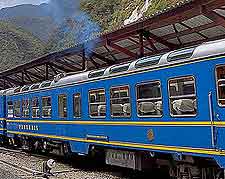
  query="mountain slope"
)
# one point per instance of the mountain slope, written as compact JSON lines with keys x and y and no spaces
{"x":17,"y":46}
{"x":26,"y":24}
{"x":40,"y":27}
{"x":36,"y":19}
{"x":111,"y":13}
{"x":25,"y":10}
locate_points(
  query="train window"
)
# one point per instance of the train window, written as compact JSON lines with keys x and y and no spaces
{"x":120,"y":101}
{"x":96,"y":74}
{"x":77,"y":105}
{"x":220,"y":76}
{"x":17,"y":90}
{"x":24,"y":88}
{"x":182,"y":93}
{"x":25,"y":108}
{"x":147,"y":61}
{"x":35,"y":108}
{"x":181,"y":54}
{"x":34,"y":86}
{"x":46,"y":107}
{"x":97,"y":103}
{"x":149,"y":99}
{"x":10,"y":109}
{"x":17,"y":111}
{"x":120,"y":68}
{"x":45,"y":84}
{"x":62,"y":105}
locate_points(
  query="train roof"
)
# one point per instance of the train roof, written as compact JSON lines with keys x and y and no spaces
{"x":205,"y":50}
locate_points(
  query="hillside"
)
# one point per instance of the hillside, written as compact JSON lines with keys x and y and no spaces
{"x":17,"y":46}
{"x":111,"y":13}
{"x":35,"y":19}
{"x":40,"y":27}
{"x":26,"y":24}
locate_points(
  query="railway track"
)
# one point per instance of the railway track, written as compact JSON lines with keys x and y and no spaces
{"x":29,"y":165}
{"x":28,"y":172}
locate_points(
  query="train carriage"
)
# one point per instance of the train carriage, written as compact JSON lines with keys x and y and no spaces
{"x":2,"y":116}
{"x":161,"y":109}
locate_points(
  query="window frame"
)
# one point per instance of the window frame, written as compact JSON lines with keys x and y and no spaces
{"x":149,"y":82}
{"x":217,"y":86}
{"x":130,"y":101}
{"x":119,"y":66}
{"x":196,"y":95}
{"x":170,"y":59}
{"x":80,"y":101}
{"x":47,"y":106}
{"x":150,"y":59}
{"x":12,"y":108}
{"x":66,"y":96}
{"x":39,"y":107}
{"x":14,"y":115}
{"x":89,"y":104}
{"x":28,"y":107}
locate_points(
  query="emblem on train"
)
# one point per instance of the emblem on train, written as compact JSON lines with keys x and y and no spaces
{"x":150,"y":135}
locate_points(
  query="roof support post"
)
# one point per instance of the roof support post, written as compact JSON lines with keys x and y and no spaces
{"x":4,"y":83}
{"x":84,"y":60}
{"x":158,"y":39}
{"x":141,"y":44}
{"x":46,"y":72}
{"x":22,"y":78}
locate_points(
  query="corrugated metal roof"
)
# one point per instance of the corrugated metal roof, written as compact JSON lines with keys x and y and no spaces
{"x":189,"y":22}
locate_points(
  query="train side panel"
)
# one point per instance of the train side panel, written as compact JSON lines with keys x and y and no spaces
{"x":167,"y":134}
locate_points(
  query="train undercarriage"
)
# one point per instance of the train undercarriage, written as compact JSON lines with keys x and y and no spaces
{"x":171,"y":166}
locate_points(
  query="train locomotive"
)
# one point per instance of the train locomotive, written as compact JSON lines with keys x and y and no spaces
{"x":165,"y":111}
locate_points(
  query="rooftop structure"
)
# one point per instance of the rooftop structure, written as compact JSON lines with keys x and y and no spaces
{"x":189,"y":23}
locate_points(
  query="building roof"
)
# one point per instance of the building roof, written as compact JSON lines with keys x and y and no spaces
{"x":189,"y":23}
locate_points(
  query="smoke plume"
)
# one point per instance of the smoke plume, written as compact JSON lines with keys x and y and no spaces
{"x":73,"y":21}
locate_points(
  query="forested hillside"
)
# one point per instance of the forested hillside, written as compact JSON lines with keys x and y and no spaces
{"x":26,"y":31}
{"x":112,"y":13}
{"x":17,"y":46}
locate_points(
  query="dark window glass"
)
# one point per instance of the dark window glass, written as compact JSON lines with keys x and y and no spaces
{"x":46,"y":84}
{"x":25,"y":108}
{"x":182,"y":93}
{"x":120,"y":101}
{"x":10,"y":109}
{"x":46,"y":107}
{"x":77,"y":105}
{"x":220,"y":75}
{"x":62,"y":105}
{"x":35,"y":86}
{"x":17,"y":111}
{"x":149,"y":99}
{"x":120,"y":68}
{"x":35,"y":107}
{"x":147,"y":61}
{"x":25,"y":88}
{"x":97,"y":103}
{"x":96,"y":74}
{"x":181,"y":54}
{"x":17,"y":90}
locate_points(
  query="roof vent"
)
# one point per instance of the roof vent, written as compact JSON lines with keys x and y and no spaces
{"x":59,"y":76}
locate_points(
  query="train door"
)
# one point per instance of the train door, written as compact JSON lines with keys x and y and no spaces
{"x":2,"y":113}
{"x":217,"y":109}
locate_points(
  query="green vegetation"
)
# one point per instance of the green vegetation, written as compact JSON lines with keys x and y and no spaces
{"x":111,"y":14}
{"x":17,"y":46}
{"x":19,"y":36}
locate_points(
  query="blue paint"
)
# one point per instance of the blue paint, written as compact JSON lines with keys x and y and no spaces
{"x":177,"y":136}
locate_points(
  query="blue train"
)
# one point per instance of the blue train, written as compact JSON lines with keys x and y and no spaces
{"x":161,"y":111}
